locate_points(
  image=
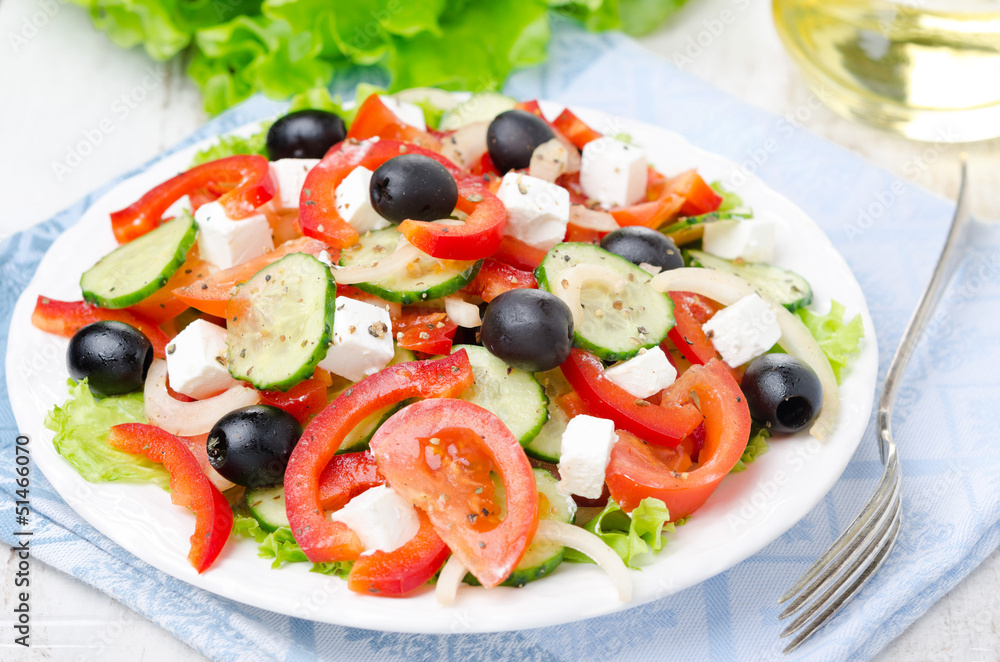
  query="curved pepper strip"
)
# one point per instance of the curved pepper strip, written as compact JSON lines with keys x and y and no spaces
{"x":248,"y":174}
{"x":65,"y":318}
{"x":478,"y":237}
{"x":320,"y":539}
{"x":656,"y":424}
{"x":374,"y":119}
{"x":189,"y":486}
{"x":402,"y":570}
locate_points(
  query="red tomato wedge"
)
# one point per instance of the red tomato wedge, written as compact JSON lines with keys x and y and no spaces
{"x":374,"y":119}
{"x":424,"y":330}
{"x":303,"y":401}
{"x":189,"y":486}
{"x":637,"y":471}
{"x":657,"y":424}
{"x":439,"y":454}
{"x":495,"y":278}
{"x":699,"y":197}
{"x":347,"y":476}
{"x":575,"y":130}
{"x":518,"y":254}
{"x":320,"y":539}
{"x":403,"y":570}
{"x":690,"y":312}
{"x":211,"y":294}
{"x":64,"y":318}
{"x":249,"y":177}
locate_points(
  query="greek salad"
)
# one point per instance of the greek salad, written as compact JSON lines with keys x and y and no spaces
{"x":439,"y":339}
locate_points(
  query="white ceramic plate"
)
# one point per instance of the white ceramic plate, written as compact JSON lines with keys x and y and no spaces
{"x":747,"y":512}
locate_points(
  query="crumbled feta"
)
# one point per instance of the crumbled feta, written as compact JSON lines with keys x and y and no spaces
{"x":354,"y":202}
{"x":362,"y":340}
{"x":613,"y":172}
{"x":743,"y":331}
{"x":584,"y":455}
{"x":226,"y":242}
{"x":749,"y":240}
{"x":197,"y":361}
{"x":289,"y":175}
{"x":381,"y":518}
{"x":643,"y":375}
{"x":537,"y":210}
{"x":405,"y":112}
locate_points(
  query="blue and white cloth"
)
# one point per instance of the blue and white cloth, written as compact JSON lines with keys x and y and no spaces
{"x":890,"y":232}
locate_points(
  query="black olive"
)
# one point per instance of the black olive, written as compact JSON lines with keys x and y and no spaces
{"x":638,"y":244}
{"x":113,"y":356}
{"x":529,"y":329}
{"x":512,"y":137}
{"x":251,"y":446}
{"x":782,"y":392}
{"x":304,"y":134}
{"x":413,"y":186}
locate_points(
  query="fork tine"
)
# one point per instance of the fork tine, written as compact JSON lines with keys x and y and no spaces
{"x":838,"y":581}
{"x":849,"y":592}
{"x":849,"y":539}
{"x":852,"y":548}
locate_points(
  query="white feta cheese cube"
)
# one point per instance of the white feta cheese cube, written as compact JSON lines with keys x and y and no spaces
{"x":406,"y":112}
{"x":643,"y":375}
{"x":584,"y":455}
{"x":749,"y":240}
{"x":537,"y":210}
{"x":226,"y":242}
{"x":289,"y":175}
{"x":613,"y":172}
{"x":743,"y":331}
{"x":362,"y":340}
{"x":197,"y":361}
{"x":354,"y":202}
{"x":381,"y":518}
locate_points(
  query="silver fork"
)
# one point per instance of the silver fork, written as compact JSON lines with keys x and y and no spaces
{"x":861,"y":550}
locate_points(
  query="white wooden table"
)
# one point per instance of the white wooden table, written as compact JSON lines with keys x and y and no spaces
{"x":75,"y":111}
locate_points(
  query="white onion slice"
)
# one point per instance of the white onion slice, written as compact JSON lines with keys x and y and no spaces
{"x":461,"y":312}
{"x":189,"y":419}
{"x":467,"y":145}
{"x":592,"y":219}
{"x":584,"y":541}
{"x":571,"y":282}
{"x":449,"y":580}
{"x":387,"y":266}
{"x":549,"y":160}
{"x":795,"y":339}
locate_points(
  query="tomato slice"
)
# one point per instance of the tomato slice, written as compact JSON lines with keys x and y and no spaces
{"x":211,"y":294}
{"x":699,"y":197}
{"x":690,"y":312}
{"x":402,"y":570}
{"x":495,"y":278}
{"x":424,"y":330}
{"x":189,"y":486}
{"x":518,"y":254}
{"x":347,"y":476}
{"x":439,"y":455}
{"x":303,"y":401}
{"x":637,"y":470}
{"x":64,"y":318}
{"x":572,"y":404}
{"x":320,"y":539}
{"x":575,"y":129}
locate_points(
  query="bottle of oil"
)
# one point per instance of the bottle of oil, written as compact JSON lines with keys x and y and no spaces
{"x":929,"y":70}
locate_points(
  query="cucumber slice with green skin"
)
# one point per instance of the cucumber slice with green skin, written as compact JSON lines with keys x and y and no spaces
{"x":513,"y":395}
{"x":280,"y":322}
{"x":135,"y":270}
{"x":692,"y":228}
{"x":358,"y":439}
{"x":614,"y":326}
{"x":547,"y":445}
{"x":267,"y":505}
{"x":541,"y":558}
{"x":780,"y":285}
{"x":424,"y":279}
{"x":481,"y":107}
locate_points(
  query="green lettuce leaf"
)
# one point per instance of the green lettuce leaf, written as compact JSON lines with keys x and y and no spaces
{"x":233,"y":145}
{"x":629,"y":536}
{"x":639,"y":17}
{"x":82,"y":425}
{"x":756,"y":446}
{"x":280,"y":546}
{"x":838,"y":339}
{"x":730,"y":200}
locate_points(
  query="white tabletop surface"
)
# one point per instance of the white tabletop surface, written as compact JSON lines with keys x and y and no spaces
{"x":63,"y":84}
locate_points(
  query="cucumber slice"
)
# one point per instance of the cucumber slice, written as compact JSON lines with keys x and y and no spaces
{"x":482,"y":107}
{"x":513,"y":395}
{"x":692,"y":228}
{"x":425,"y":278}
{"x":615,"y":326}
{"x":780,"y":285}
{"x":267,"y":505}
{"x":546,"y":446}
{"x":135,"y":270}
{"x":280,"y":322}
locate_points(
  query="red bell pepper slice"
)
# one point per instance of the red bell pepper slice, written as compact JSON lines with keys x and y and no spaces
{"x":189,"y":486}
{"x":651,"y":214}
{"x":518,"y":254}
{"x":304,"y":400}
{"x":530,"y":106}
{"x":65,"y":318}
{"x":403,"y":570}
{"x":439,"y":455}
{"x":320,"y":539}
{"x":478,"y":237}
{"x":424,"y":330}
{"x":662,"y":425}
{"x":699,"y":197}
{"x":575,"y":129}
{"x":690,"y":312}
{"x":638,"y":470}
{"x":347,"y":476}
{"x":249,"y":176}
{"x":495,"y":278}
{"x":374,"y":119}
{"x":211,"y":294}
